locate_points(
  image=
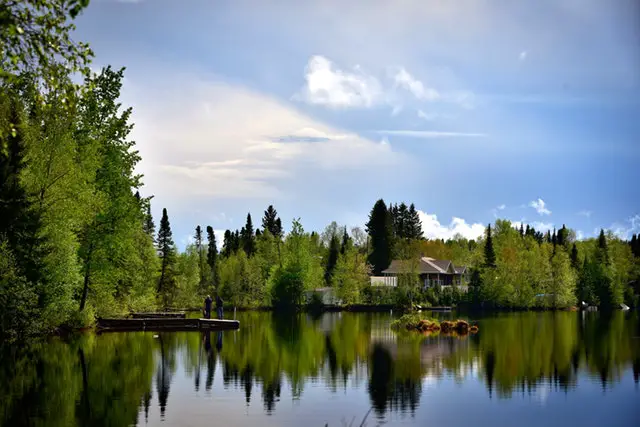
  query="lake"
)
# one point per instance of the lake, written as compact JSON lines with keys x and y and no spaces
{"x":526,"y":369}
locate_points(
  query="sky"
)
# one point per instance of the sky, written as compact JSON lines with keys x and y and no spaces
{"x":472,"y":110}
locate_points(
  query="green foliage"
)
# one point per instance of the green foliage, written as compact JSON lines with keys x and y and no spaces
{"x":271,"y":222}
{"x":489,"y":253}
{"x":351,"y":275}
{"x":380,"y":229}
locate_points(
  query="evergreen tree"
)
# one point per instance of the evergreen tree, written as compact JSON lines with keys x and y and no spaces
{"x":380,"y":231}
{"x":345,"y":241}
{"x":574,"y":257}
{"x":167,"y":255}
{"x":554,"y":238}
{"x":148,"y":225}
{"x":19,"y":221}
{"x":635,"y":245}
{"x":548,"y":236}
{"x":489,"y":253}
{"x":415,"y":224}
{"x":271,"y":222}
{"x":602,"y":254}
{"x":563,"y":236}
{"x":212,"y":255}
{"x":199,"y":248}
{"x":248,"y":238}
{"x":332,"y":258}
{"x":227,"y":243}
{"x":522,"y":230}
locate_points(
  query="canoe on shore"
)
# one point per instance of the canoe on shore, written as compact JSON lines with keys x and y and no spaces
{"x":166,"y":324}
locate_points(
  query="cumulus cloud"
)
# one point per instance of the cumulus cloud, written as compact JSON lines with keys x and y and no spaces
{"x":330,"y":86}
{"x":542,"y":226}
{"x":403,"y":79}
{"x":540,"y":207}
{"x":433,"y":229}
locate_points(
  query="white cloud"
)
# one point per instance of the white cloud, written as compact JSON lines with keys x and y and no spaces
{"x":579,"y":235}
{"x":403,"y":79}
{"x":501,"y":207}
{"x":523,"y":55}
{"x":542,"y":226}
{"x":330,"y":86}
{"x":433,"y":229}
{"x":428,"y":133}
{"x":585,"y":213}
{"x":206,"y":138}
{"x":540,"y":207}
{"x":627,"y":229}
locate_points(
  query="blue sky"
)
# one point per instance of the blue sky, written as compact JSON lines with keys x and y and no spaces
{"x":470,"y":109}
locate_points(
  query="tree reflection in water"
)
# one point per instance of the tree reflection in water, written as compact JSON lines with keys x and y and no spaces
{"x":107,"y":380}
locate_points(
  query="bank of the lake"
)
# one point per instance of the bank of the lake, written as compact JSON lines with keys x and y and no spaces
{"x":539,"y":368}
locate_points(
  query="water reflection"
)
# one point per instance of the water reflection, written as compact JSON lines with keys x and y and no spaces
{"x":113,"y":379}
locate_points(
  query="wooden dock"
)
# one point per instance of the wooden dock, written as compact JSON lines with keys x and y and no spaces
{"x":160,"y":315}
{"x":166,"y":324}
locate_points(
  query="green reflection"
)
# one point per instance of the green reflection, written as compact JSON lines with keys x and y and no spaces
{"x":112,"y":379}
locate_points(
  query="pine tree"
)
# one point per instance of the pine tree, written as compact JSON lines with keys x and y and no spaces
{"x":563,"y":236}
{"x":332,"y":258}
{"x":415,"y":224}
{"x":380,"y":231}
{"x":271,"y":222}
{"x":227,"y":243}
{"x":574,"y":257}
{"x":198,"y":241}
{"x":602,"y":254}
{"x":148,"y":225}
{"x":548,"y":236}
{"x":521,"y":230}
{"x":248,"y":237}
{"x":345,"y":242}
{"x":212,"y":255}
{"x":554,"y":238}
{"x":167,"y":255}
{"x":635,"y":245}
{"x":529,"y":231}
{"x":489,"y":253}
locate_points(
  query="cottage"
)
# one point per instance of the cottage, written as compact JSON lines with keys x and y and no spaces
{"x":431,"y":271}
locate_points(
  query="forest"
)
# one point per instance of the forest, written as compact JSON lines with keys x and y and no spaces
{"x":77,"y":239}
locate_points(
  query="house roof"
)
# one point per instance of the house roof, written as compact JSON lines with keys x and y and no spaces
{"x":461,"y":270}
{"x":425,"y":265}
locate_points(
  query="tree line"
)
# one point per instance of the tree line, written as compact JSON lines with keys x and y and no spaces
{"x":77,"y":238}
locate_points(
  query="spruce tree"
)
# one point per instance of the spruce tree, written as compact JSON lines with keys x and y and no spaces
{"x":332,"y":258}
{"x":563,"y":236}
{"x":528,"y":231}
{"x":271,"y":222}
{"x":489,"y":253}
{"x":198,"y":241}
{"x":167,"y":255}
{"x":415,"y":224}
{"x":635,"y":245}
{"x":521,"y":230}
{"x":248,"y":237}
{"x":554,"y":239}
{"x":19,"y":222}
{"x":227,"y":243}
{"x":148,"y":226}
{"x":548,"y":236}
{"x":602,"y":254}
{"x":212,"y":255}
{"x":380,"y":231}
{"x":345,"y":242}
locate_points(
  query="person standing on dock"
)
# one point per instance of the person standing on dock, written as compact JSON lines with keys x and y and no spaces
{"x":207,"y":307}
{"x":219,"y":304}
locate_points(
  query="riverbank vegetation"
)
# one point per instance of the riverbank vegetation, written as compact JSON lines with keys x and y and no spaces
{"x":77,"y":238}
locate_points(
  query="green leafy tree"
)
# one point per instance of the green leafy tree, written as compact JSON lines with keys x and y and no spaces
{"x":380,"y":231}
{"x":575,"y":262}
{"x":563,"y":285}
{"x":351,"y":275}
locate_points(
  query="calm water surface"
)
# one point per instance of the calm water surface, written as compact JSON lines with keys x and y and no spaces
{"x":525,"y":369}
